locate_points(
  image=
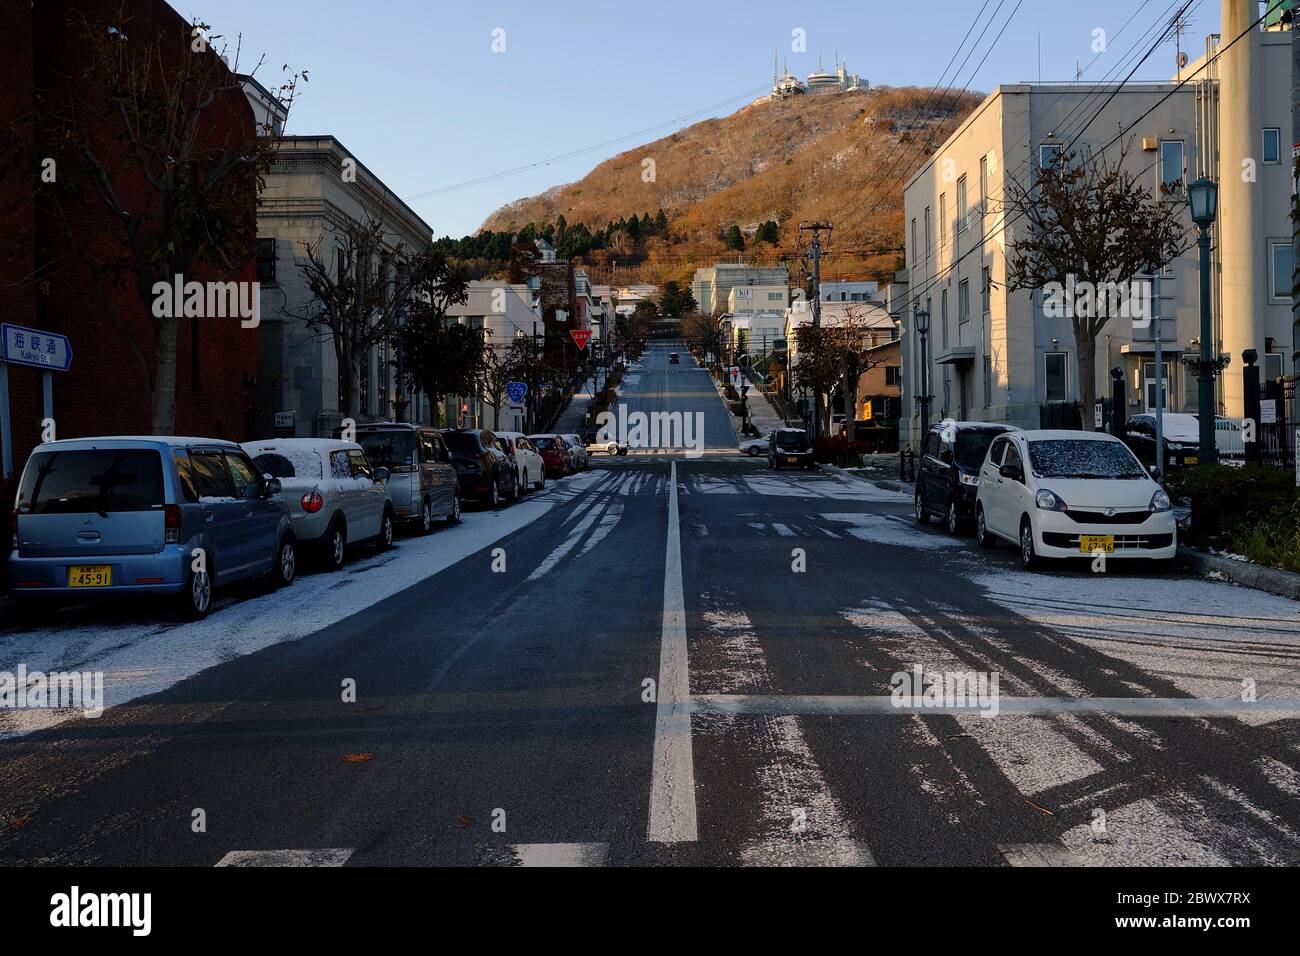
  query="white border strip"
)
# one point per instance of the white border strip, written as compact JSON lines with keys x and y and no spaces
{"x":805,"y":706}
{"x":672,"y":779}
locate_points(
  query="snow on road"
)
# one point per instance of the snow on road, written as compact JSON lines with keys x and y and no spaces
{"x":149,"y":653}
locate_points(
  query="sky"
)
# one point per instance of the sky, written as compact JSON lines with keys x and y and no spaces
{"x":432,"y":96}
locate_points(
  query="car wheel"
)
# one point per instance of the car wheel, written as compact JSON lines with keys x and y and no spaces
{"x":336,"y":546}
{"x":1028,"y":558}
{"x":453,"y":516}
{"x":983,"y":536}
{"x":954,"y":519}
{"x":385,"y":540}
{"x":541,"y":481}
{"x":523,"y":484}
{"x":918,"y":506}
{"x":196,"y":600}
{"x":286,"y":562}
{"x":753,"y":451}
{"x":426,"y":517}
{"x":494,"y":496}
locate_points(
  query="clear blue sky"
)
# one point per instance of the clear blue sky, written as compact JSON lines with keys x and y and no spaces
{"x":414,"y":90}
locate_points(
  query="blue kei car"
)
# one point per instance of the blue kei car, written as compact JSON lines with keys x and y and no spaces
{"x":174,"y":517}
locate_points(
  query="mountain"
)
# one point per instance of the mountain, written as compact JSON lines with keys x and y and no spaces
{"x":829,"y":156}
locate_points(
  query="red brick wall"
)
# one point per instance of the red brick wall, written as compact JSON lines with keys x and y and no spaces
{"x":104,"y":392}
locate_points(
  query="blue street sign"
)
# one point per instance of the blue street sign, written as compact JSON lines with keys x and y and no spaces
{"x":516,"y":391}
{"x":35,"y":347}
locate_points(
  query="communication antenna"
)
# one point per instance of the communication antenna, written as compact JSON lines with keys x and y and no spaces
{"x":1180,"y":25}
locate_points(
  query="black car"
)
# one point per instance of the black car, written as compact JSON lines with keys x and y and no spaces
{"x":1181,"y":438}
{"x":947,"y":476}
{"x":789,"y":447}
{"x":485,"y":470}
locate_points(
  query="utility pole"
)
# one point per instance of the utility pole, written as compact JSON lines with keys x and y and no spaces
{"x":815,"y":254}
{"x":1295,"y":199}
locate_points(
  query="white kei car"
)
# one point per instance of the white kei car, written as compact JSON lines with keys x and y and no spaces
{"x":1062,"y":494}
{"x":530,"y":470}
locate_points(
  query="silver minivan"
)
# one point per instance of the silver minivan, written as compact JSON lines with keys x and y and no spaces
{"x":154,"y":515}
{"x":334,"y":496}
{"x":422,"y":482}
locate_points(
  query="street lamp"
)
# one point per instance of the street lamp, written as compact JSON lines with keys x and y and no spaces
{"x":923,"y":330}
{"x":1203,"y":195}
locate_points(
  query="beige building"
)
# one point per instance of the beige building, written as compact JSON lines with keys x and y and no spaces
{"x":1001,"y":357}
{"x":503,"y":311}
{"x":712,"y":286}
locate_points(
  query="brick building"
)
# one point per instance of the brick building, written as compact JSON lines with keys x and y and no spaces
{"x":46,"y":286}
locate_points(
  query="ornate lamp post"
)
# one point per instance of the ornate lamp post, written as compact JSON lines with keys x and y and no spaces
{"x":923,"y":399}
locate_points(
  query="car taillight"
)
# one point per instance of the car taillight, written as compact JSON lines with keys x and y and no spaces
{"x":13,"y":527}
{"x":171,"y":524}
{"x":312,"y":502}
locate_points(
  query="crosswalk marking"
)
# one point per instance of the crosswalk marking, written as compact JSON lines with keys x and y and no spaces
{"x":1037,"y":854}
{"x":559,"y":854}
{"x":325,"y":857}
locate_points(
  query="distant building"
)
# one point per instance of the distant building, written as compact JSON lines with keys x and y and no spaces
{"x":820,"y":81}
{"x":712,"y":286}
{"x":503,"y":311}
{"x":836,"y":291}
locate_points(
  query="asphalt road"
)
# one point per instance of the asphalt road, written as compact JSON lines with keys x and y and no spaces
{"x":687,"y":660}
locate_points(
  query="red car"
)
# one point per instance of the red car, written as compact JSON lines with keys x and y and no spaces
{"x":555,"y":454}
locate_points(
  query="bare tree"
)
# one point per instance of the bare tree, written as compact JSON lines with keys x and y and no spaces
{"x":184,"y":203}
{"x":362,"y":283}
{"x":1089,"y":220}
{"x":832,"y":357}
{"x":500,"y":366}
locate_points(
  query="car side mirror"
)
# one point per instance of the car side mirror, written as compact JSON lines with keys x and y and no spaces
{"x":271,"y":488}
{"x":381,"y":474}
{"x":1011,"y":471}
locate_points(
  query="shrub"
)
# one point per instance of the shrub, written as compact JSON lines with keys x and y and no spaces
{"x":1253,"y":511}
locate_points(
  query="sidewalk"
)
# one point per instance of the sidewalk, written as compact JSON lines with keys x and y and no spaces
{"x":571,"y":419}
{"x":762,"y":413}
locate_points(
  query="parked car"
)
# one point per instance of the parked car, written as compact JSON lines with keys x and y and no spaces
{"x":483,"y":466}
{"x":948,"y":472}
{"x":1061,"y":494}
{"x":529,"y":467}
{"x":578,"y":448}
{"x":593,"y":440}
{"x":1182,"y":438}
{"x":673,"y":358}
{"x":334,"y":496}
{"x":789,"y":446}
{"x":555,"y":453}
{"x":422,"y":484}
{"x":755,"y":446}
{"x":157,"y":516}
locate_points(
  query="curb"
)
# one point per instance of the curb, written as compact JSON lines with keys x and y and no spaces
{"x":1273,"y":580}
{"x":884,"y":484}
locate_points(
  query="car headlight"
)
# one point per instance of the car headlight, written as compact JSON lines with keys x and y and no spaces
{"x":1160,"y":502}
{"x":1174,"y":446}
{"x":966,"y":479}
{"x":1048,"y":500}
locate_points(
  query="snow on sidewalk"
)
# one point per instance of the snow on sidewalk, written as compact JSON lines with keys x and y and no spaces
{"x":152,"y":653}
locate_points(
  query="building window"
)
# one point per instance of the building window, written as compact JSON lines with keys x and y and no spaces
{"x":1171,"y":167}
{"x":986,"y":286}
{"x":928,"y":249}
{"x":984,"y":183}
{"x":1048,"y":154}
{"x":943,"y":219}
{"x":988,"y":381}
{"x":914,"y":250}
{"x":1273,"y":366}
{"x":963,"y":301}
{"x":961,"y":204}
{"x":893,"y":376}
{"x":1055,"y":376}
{"x":943,"y":315}
{"x":1281,"y":269}
{"x":266,"y":261}
{"x":1272,"y":151}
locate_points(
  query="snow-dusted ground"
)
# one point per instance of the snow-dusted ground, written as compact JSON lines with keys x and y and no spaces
{"x":145,"y":654}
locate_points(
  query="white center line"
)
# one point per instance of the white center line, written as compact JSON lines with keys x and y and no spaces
{"x":560,"y":854}
{"x":672,"y":779}
{"x":326,"y":857}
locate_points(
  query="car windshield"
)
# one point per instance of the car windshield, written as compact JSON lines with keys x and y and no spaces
{"x":971,"y":446}
{"x":1082,"y":458}
{"x":547,"y":444}
{"x":92,"y":480}
{"x":395,"y":449}
{"x":792,"y":441}
{"x":462,"y":442}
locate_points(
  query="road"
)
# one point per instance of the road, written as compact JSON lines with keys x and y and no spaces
{"x":675,"y":659}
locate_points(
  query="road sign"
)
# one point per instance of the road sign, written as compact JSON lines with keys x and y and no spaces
{"x":580,"y":337}
{"x":1268,"y":411}
{"x":516,"y":391}
{"x":35,"y":347}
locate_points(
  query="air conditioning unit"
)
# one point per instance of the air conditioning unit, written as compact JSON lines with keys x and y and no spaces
{"x":1150,"y":144}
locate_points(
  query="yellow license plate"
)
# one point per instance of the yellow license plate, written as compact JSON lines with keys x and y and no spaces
{"x":90,"y":576}
{"x":792,"y":461}
{"x":1190,"y":460}
{"x":1088,"y":543}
